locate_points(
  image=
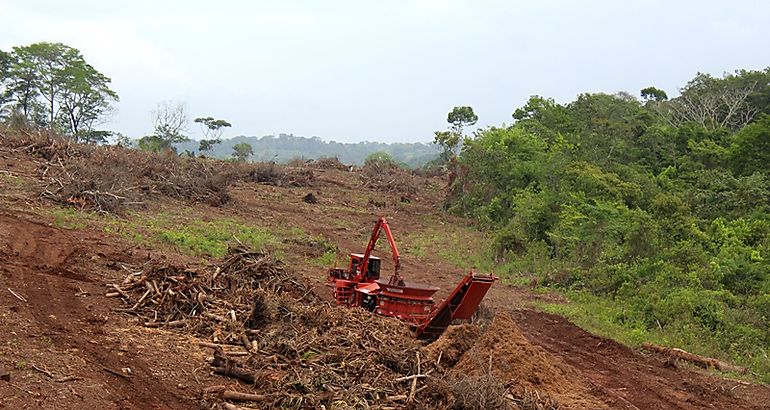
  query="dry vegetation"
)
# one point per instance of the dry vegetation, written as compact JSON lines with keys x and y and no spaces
{"x":112,"y":178}
{"x":387,"y":176}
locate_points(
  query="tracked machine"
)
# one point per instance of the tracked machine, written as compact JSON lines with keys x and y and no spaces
{"x":360,"y":286}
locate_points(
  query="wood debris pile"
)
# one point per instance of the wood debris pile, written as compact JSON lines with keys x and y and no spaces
{"x":387,"y":176}
{"x":293,"y":349}
{"x":329,"y":163}
{"x":112,"y":178}
{"x":279,"y":175}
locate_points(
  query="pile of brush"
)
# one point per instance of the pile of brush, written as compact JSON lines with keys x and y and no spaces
{"x":385,"y":175}
{"x":112,"y":178}
{"x":274,"y":335}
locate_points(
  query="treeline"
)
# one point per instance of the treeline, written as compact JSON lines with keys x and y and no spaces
{"x":286,"y":147}
{"x":662,"y":205}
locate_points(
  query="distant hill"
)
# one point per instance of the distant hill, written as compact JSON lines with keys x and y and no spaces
{"x":286,"y":147}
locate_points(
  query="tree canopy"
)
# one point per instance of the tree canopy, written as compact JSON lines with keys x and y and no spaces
{"x":52,"y":85}
{"x":663,"y":207}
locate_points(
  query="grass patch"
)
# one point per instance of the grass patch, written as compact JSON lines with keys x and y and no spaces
{"x":70,"y":218}
{"x":612,"y":319}
{"x":13,"y":180}
{"x":464,"y":248}
{"x":328,"y":259}
{"x":211,"y":238}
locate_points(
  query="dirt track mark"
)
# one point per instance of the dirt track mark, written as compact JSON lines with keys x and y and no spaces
{"x":629,"y":379}
{"x":50,"y":267}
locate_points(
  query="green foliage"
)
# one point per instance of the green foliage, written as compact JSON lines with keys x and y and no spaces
{"x":54,"y":86}
{"x":153,"y":143}
{"x":212,"y":130}
{"x":450,"y":140}
{"x":328,"y":259}
{"x":610,"y":199}
{"x":749,"y":150}
{"x":69,"y":218}
{"x":381,"y":159}
{"x":242,"y":151}
{"x":6,"y":63}
{"x":461,"y":117}
{"x":654,"y":94}
{"x":211,"y":238}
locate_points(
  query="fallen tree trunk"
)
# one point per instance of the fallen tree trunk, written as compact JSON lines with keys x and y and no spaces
{"x":705,"y":362}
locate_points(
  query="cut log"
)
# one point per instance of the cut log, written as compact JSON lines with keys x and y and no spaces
{"x":215,"y":389}
{"x":705,"y":362}
{"x":5,"y":375}
{"x":238,"y":396}
{"x":226,"y":366}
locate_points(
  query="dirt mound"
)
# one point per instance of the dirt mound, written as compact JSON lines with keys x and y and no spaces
{"x":525,"y":369}
{"x":455,"y":341}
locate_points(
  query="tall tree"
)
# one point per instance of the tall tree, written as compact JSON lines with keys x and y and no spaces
{"x":654,"y":94}
{"x":169,"y":126}
{"x":730,"y":102}
{"x":50,"y":62}
{"x":23,"y":88}
{"x":212,"y":132}
{"x":85,"y":100}
{"x":459,"y":118}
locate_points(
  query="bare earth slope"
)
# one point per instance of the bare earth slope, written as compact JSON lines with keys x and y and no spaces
{"x":66,"y":346}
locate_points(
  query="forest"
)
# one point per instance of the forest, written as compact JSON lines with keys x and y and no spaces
{"x":654,"y":210}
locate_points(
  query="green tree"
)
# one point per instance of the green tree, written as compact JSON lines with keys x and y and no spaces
{"x":53,"y":85}
{"x":212,"y":131}
{"x":654,"y":94}
{"x":153,"y":143}
{"x":23,"y":89}
{"x":85,"y":100}
{"x":242,"y":151}
{"x":750,"y":147}
{"x":50,"y":62}
{"x":459,"y":117}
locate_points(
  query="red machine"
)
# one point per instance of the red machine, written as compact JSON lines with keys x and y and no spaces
{"x":360,"y":286}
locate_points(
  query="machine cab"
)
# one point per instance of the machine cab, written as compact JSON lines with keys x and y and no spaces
{"x":373,"y":269}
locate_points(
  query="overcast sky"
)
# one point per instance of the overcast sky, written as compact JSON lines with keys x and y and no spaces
{"x":384,"y":70}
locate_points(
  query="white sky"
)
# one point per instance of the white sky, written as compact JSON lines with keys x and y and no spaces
{"x":385,"y":70}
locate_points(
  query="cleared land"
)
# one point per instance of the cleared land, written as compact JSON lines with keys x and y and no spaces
{"x":67,"y":345}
